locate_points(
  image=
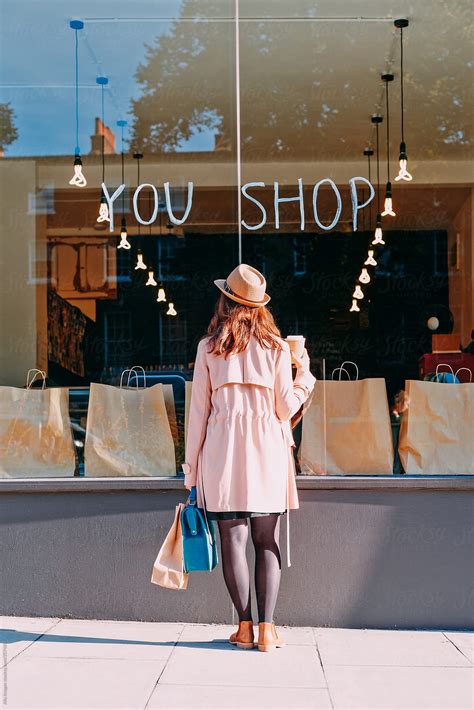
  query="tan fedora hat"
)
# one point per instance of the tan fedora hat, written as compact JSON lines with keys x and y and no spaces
{"x":245,"y":285}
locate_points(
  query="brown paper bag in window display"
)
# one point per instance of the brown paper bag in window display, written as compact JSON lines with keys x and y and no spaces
{"x":171,"y":411}
{"x":187,"y":406}
{"x":437,"y":430}
{"x":347,"y":429}
{"x":128,"y":432}
{"x":35,"y":431}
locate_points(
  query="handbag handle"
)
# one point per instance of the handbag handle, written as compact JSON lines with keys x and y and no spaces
{"x":460,"y":369}
{"x":190,"y":519}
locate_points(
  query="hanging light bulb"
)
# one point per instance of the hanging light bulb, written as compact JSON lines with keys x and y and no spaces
{"x":354,"y":308}
{"x":358,"y":292}
{"x":151,"y":279}
{"x":124,"y":243}
{"x":140,"y":263}
{"x":78,"y":179}
{"x":103,"y":210}
{"x":161,"y":295}
{"x":364,"y":277}
{"x":370,"y":261}
{"x":403,"y":173}
{"x":171,"y":310}
{"x":388,"y":206}
{"x":378,"y":236}
{"x":104,"y":216}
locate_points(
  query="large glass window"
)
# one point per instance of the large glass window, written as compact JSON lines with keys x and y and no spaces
{"x":253,"y":103}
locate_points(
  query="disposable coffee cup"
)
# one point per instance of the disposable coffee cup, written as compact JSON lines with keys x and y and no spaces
{"x":296,"y":343}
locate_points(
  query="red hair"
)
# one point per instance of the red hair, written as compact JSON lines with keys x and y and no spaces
{"x":233,"y":323}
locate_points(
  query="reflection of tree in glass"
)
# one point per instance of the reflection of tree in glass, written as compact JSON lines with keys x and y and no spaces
{"x":307,"y":88}
{"x":188,"y":81}
{"x":8,"y":130}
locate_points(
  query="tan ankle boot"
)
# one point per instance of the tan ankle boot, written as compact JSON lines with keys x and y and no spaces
{"x":268,"y":637}
{"x":243,"y":637}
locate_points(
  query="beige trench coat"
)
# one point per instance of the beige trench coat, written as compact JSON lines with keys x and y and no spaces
{"x":239,"y":441}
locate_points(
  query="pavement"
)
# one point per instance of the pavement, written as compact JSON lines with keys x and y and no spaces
{"x":72,"y":664}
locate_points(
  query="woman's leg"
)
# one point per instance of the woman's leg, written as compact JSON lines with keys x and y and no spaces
{"x":265,"y":537}
{"x":234,"y":535}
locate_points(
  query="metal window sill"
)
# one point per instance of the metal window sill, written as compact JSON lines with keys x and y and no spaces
{"x":360,"y":482}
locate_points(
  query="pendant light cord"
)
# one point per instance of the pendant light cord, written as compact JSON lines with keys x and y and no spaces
{"x":370,"y":180}
{"x":388,"y":134}
{"x":103,"y":132}
{"x":378,"y":169}
{"x":401,"y":84}
{"x":123,"y":177}
{"x":138,"y":204}
{"x":77,"y":93}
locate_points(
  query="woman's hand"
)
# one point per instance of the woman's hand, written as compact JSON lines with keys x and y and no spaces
{"x":301,"y":362}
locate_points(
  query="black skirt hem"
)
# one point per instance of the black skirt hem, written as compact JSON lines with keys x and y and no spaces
{"x":237,"y":515}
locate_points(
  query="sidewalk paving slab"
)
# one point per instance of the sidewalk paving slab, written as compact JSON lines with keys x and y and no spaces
{"x":348,"y":647}
{"x":180,"y":697}
{"x":107,"y":639}
{"x":227,"y":665}
{"x":85,"y":683}
{"x":400,"y":688}
{"x":464,"y":641}
{"x":19,"y":633}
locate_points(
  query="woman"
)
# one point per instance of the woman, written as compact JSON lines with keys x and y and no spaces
{"x":239,"y":442}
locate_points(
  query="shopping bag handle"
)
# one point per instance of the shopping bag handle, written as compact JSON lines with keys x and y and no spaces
{"x":460,"y":369}
{"x":136,"y":369}
{"x":129,"y":370}
{"x":444,"y":364}
{"x":350,"y":362}
{"x":124,"y":372}
{"x":341,"y":370}
{"x":37,"y":372}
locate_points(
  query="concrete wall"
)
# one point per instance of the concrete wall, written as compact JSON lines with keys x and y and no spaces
{"x":387,"y":553}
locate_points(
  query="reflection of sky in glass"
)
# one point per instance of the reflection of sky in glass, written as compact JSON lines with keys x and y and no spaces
{"x":37,"y":69}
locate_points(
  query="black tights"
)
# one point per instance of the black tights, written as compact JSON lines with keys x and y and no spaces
{"x":265,"y":535}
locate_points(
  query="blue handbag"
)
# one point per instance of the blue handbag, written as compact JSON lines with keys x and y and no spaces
{"x":199,"y":539}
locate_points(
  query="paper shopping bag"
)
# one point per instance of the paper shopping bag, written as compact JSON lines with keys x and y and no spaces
{"x":187,"y":406}
{"x":168,"y":570}
{"x":347,"y":430}
{"x":35,"y":432}
{"x":128,"y":432}
{"x":436,"y":432}
{"x":171,"y":411}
